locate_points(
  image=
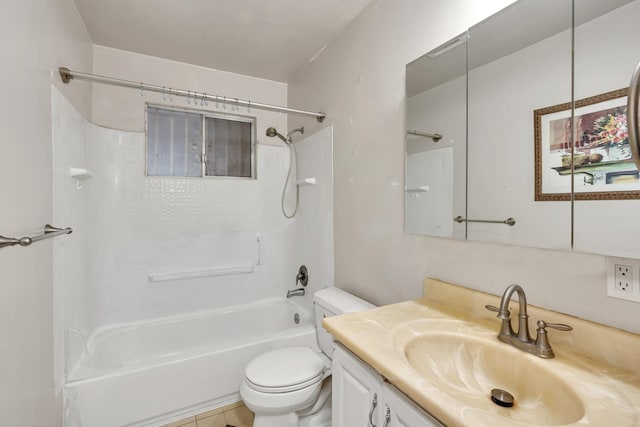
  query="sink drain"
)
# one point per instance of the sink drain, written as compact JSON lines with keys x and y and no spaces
{"x":502,"y":397}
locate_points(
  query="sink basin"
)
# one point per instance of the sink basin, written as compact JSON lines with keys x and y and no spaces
{"x":466,"y":368}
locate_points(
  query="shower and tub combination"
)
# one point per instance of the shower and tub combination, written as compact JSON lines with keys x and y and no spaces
{"x":149,"y":373}
{"x":169,"y":287}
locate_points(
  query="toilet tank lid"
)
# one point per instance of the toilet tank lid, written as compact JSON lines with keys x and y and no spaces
{"x":339,"y":301}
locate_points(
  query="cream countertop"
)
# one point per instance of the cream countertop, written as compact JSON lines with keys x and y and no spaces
{"x":599,"y":363}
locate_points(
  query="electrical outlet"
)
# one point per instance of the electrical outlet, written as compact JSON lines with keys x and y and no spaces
{"x":623,"y":278}
{"x":623,"y":275}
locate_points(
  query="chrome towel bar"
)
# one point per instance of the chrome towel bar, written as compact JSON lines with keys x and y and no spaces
{"x":434,"y":136}
{"x":508,"y":221}
{"x":49,"y":231}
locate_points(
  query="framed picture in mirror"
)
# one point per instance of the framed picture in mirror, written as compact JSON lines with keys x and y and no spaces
{"x":603,"y":167}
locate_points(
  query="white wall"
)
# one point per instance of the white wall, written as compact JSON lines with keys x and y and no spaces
{"x":37,"y":38}
{"x":359,"y":81}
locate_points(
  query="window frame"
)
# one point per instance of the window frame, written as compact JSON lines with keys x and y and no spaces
{"x":204,"y":115}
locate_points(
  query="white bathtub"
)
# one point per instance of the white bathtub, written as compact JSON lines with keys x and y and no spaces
{"x":151,"y":373}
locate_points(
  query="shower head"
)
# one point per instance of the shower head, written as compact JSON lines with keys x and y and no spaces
{"x":271,"y":132}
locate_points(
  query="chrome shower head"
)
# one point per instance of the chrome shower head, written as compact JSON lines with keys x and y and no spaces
{"x":271,"y":132}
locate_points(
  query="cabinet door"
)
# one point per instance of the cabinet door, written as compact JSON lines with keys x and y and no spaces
{"x":357,"y":392}
{"x":402,"y":412}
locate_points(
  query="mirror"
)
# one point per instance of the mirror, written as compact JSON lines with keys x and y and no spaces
{"x":511,"y":65}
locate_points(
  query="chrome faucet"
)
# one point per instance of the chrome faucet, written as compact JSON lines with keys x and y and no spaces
{"x":295,"y":292}
{"x":303,"y":278}
{"x":522,"y":340}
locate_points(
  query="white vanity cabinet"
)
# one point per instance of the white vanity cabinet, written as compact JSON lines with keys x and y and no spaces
{"x":361,"y":398}
{"x":404,"y":413}
{"x":356,"y":391}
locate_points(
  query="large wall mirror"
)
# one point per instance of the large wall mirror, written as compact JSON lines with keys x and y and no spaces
{"x":489,"y":119}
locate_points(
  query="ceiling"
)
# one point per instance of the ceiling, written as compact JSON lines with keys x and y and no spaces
{"x":268,"y":39}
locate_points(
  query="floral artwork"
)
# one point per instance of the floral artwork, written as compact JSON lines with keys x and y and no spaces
{"x":610,"y":128}
{"x":600,"y":164}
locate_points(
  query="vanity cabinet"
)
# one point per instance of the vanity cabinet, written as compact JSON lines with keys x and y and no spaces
{"x":361,"y":397}
{"x":404,"y":413}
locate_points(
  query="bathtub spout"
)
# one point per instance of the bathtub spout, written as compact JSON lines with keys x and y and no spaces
{"x":295,"y":292}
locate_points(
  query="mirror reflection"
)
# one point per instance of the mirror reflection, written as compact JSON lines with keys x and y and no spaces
{"x":435,"y":179}
{"x":607,"y":206}
{"x":497,"y":160}
{"x":519,"y":61}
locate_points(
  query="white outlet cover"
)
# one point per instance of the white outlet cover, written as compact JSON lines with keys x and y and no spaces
{"x":634,"y":293}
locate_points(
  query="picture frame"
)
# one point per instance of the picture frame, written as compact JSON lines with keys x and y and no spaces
{"x":603,"y":166}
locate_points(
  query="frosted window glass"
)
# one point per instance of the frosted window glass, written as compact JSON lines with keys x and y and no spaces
{"x":174,"y":143}
{"x":228,"y":144}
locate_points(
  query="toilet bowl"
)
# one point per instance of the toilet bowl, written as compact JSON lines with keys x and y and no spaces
{"x":291,"y":386}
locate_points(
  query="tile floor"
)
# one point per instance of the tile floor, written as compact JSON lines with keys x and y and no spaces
{"x":236,"y":415}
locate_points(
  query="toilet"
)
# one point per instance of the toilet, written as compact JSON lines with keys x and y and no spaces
{"x":291,"y":386}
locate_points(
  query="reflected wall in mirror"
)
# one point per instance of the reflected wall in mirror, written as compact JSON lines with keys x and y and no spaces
{"x":435,"y":166}
{"x":519,"y":61}
{"x":606,"y":226}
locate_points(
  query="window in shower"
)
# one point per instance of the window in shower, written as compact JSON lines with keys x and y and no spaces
{"x":191,"y":143}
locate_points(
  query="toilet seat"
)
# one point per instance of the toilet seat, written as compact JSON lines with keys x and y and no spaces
{"x":285,"y":370}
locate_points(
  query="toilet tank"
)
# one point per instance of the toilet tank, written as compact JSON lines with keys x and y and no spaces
{"x":331,"y":302}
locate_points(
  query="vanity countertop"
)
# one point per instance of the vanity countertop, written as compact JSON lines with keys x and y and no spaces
{"x":600,"y":364}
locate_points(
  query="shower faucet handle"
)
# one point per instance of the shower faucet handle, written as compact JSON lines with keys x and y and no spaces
{"x":303,"y":276}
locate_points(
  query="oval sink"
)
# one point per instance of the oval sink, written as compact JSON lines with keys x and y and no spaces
{"x":467,"y":368}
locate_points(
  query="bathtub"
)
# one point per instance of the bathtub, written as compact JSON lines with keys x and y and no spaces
{"x":152,"y":373}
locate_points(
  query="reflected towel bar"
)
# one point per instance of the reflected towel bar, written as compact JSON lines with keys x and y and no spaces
{"x":435,"y":136}
{"x":49,"y":231}
{"x":509,"y":221}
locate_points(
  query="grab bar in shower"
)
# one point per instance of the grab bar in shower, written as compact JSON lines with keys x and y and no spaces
{"x":196,"y":273}
{"x":49,"y":231}
{"x":509,"y":221}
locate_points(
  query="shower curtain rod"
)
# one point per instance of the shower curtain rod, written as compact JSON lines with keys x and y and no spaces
{"x":67,"y":75}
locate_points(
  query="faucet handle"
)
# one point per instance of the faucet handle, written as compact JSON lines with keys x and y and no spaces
{"x":503,"y":316}
{"x":492,"y":308}
{"x":559,"y":326}
{"x":542,"y":341}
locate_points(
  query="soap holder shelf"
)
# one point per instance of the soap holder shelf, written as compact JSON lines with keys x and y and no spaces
{"x":305,"y":182}
{"x":80,"y":175}
{"x":419,"y":189}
